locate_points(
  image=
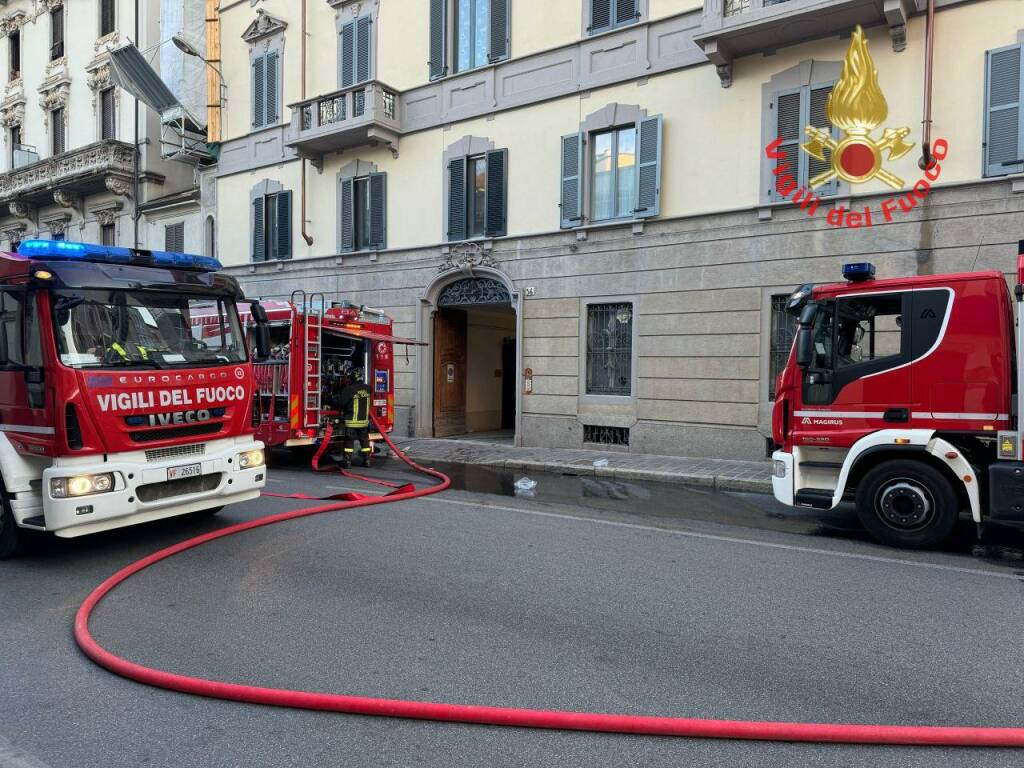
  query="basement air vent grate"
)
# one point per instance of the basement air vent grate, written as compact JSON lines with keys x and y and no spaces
{"x":605,"y":435}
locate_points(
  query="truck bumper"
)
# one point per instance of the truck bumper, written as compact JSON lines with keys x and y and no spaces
{"x":142,"y":491}
{"x":782,"y":477}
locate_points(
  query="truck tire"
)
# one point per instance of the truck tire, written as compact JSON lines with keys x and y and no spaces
{"x":13,"y":540}
{"x":907,"y":504}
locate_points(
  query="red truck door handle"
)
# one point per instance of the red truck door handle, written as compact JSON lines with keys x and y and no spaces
{"x":896,"y":414}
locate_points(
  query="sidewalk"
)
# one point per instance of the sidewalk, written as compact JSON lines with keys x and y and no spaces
{"x":726,"y":475}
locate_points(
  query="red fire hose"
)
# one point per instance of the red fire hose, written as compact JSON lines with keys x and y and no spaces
{"x":465,"y":713}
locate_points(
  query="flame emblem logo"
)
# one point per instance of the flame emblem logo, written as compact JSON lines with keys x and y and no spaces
{"x":857,"y":107}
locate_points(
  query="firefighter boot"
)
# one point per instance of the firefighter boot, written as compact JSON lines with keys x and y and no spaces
{"x":366,"y":457}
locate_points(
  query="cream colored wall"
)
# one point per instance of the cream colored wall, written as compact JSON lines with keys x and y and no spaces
{"x":659,"y":9}
{"x":712,"y":147}
{"x":403,"y":40}
{"x":538,"y":26}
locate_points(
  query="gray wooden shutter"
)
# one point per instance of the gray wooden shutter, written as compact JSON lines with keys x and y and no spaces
{"x":273,"y":113}
{"x":377,"y":189}
{"x":499,"y":42}
{"x":818,"y":117}
{"x":174,"y":237}
{"x":648,"y":169}
{"x":625,"y":12}
{"x":438,"y":38}
{"x":346,"y":216}
{"x":1004,"y":137}
{"x":284,"y":225}
{"x":572,"y":180}
{"x":362,"y":62}
{"x":259,"y":92}
{"x":496,"y":216}
{"x":106,"y":17}
{"x":600,"y":15}
{"x":259,"y":239}
{"x":346,"y":44}
{"x":108,"y":127}
{"x":457,"y":199}
{"x":787,"y":127}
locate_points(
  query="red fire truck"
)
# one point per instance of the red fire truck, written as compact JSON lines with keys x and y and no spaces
{"x":112,"y":412}
{"x":902,"y":395}
{"x":311,"y":344}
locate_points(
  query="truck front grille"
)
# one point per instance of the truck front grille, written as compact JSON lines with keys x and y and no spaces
{"x":157,"y":454}
{"x":170,"y":488}
{"x":172,"y":433}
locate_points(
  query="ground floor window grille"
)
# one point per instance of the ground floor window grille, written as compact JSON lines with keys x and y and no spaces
{"x":783,"y":327}
{"x":605,"y":435}
{"x":610,"y":349}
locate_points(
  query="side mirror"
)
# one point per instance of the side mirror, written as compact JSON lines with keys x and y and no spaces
{"x":804,"y":346}
{"x":261,"y":333}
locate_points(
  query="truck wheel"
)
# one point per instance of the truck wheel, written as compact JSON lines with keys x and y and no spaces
{"x":12,"y":538}
{"x":907,"y":504}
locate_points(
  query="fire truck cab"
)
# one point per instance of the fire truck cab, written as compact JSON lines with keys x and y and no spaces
{"x":902,"y":395}
{"x":312,"y":345}
{"x":112,"y":412}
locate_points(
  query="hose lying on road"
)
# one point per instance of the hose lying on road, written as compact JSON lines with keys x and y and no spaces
{"x":465,"y":713}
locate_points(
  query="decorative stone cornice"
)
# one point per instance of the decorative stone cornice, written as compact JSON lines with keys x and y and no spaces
{"x":107,"y":215}
{"x":11,"y":21}
{"x":15,"y":233}
{"x":106,"y":162}
{"x":99,"y":75}
{"x":65,"y":198}
{"x":21,"y":210}
{"x":50,"y":5}
{"x":12,"y":108}
{"x":263,"y":26}
{"x":55,"y":97}
{"x":465,"y":256}
{"x":57,"y":224}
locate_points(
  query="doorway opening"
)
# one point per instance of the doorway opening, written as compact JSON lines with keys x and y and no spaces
{"x":475,"y":353}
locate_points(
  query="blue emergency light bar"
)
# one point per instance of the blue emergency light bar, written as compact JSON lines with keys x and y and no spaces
{"x":859,"y":271}
{"x":60,"y":250}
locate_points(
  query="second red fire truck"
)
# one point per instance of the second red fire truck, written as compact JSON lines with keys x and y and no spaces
{"x":903,"y":396}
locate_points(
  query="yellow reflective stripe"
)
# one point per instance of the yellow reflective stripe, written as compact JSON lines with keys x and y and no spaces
{"x":120,"y":350}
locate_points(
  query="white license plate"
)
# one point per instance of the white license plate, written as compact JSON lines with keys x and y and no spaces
{"x":189,"y":470}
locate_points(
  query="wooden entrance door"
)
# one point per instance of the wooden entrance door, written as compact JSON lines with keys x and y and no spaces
{"x":449,"y":372}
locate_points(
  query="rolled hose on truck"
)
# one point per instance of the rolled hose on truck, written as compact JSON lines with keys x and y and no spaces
{"x":488,"y":715}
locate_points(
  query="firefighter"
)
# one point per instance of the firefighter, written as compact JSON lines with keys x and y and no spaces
{"x":354,"y":404}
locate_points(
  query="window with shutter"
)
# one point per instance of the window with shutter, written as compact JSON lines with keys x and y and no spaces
{"x":259,"y":88}
{"x":496,"y":219}
{"x":58,"y":131}
{"x":107,"y":234}
{"x":362,"y":49}
{"x":346,"y":215}
{"x":818,"y":117}
{"x":438,"y":38}
{"x":283,"y":235}
{"x":108,"y":128}
{"x":174,"y":237}
{"x":499,"y":43}
{"x":259,"y":232}
{"x":794,"y":109}
{"x":272,"y":89}
{"x":56,"y":33}
{"x":648,"y":159}
{"x":787,"y":128}
{"x":348,"y":33}
{"x":609,"y":14}
{"x":572,"y":180}
{"x":378,"y":211}
{"x":14,"y":60}
{"x":457,"y":199}
{"x":1003,"y":149}
{"x":107,"y":8}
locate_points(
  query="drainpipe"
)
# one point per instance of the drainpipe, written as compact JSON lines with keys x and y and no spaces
{"x":137,"y":165}
{"x":929,"y":55}
{"x":305,"y":235}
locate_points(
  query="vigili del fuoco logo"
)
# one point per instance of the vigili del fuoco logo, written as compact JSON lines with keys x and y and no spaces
{"x":856,"y":107}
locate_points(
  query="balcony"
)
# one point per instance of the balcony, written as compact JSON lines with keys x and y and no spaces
{"x":735,"y":28}
{"x":103,"y":165}
{"x":352,"y":117}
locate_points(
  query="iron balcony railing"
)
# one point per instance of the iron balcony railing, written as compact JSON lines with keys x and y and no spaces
{"x":735,"y":7}
{"x":344,"y":118}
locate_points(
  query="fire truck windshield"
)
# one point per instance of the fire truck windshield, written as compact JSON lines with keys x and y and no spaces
{"x":120,"y":328}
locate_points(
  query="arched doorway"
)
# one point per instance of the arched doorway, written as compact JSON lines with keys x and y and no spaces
{"x":470,"y":371}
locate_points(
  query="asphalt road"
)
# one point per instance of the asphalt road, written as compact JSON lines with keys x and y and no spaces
{"x":591,"y":595}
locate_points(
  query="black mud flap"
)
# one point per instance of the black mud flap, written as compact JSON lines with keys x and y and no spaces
{"x":1006,"y":491}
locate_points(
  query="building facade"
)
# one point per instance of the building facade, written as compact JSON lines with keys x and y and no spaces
{"x":69,"y":168}
{"x":575,"y":204}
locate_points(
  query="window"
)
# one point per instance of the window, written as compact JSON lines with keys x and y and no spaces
{"x":363,"y":215}
{"x":610,"y":349}
{"x":57,"y":33}
{"x":609,"y":14}
{"x":266,"y":89}
{"x":480,"y":29}
{"x":1004,"y":132}
{"x":14,"y":49}
{"x":15,"y":143}
{"x":107,"y":17}
{"x":613,"y":174}
{"x":621,"y":173}
{"x":354,"y":51}
{"x":272,"y":226}
{"x":107,"y":234}
{"x":108,"y":127}
{"x":477,"y":192}
{"x":211,"y":237}
{"x":58,"y":131}
{"x":59,"y":236}
{"x":790,"y":111}
{"x":10,"y":325}
{"x":783,"y":329}
{"x":868,"y":328}
{"x":174,"y":237}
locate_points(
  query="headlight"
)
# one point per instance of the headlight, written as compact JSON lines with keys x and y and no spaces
{"x":779,"y":468}
{"x":81,"y":485}
{"x":250,"y":459}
